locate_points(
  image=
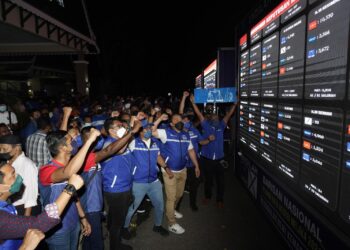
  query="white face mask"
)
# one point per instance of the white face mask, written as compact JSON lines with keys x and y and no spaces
{"x":127,"y":105}
{"x":121,"y":132}
{"x":2,"y":108}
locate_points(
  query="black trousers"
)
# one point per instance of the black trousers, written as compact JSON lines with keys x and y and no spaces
{"x":118,"y":204}
{"x":213,"y":170}
{"x":192,"y":183}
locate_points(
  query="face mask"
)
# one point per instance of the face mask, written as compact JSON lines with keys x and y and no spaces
{"x":16,"y":186}
{"x":127,"y":105}
{"x":121,"y":132}
{"x":5,"y":156}
{"x":2,"y":108}
{"x":147,"y":134}
{"x":187,"y":125}
{"x":87,"y":124}
{"x":179,"y":126}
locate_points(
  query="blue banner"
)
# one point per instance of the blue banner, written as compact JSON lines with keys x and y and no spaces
{"x":215,"y":95}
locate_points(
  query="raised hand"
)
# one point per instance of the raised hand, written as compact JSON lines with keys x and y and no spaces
{"x":192,"y":98}
{"x":32,"y":239}
{"x":94,"y":133}
{"x":137,"y":126}
{"x":164,"y":117}
{"x":67,"y":110}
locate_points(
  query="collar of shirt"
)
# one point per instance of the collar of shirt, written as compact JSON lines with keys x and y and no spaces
{"x":3,"y":203}
{"x":58,"y":163}
{"x":19,"y":159}
{"x":147,"y":142}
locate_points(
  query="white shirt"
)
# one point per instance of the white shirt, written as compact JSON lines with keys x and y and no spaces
{"x":26,"y":168}
{"x":4,"y":118}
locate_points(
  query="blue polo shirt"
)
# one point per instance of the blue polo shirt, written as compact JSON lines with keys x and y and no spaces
{"x":215,"y":149}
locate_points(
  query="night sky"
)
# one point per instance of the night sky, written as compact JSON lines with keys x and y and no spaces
{"x":142,"y":48}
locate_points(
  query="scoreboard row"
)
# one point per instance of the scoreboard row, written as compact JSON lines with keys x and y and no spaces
{"x":305,"y":145}
{"x":314,"y":46}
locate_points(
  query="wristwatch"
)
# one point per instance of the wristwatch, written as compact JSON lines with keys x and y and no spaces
{"x":70,"y":189}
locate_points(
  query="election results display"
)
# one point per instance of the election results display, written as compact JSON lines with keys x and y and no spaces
{"x":198,"y":81}
{"x":294,"y":90}
{"x":210,"y":75}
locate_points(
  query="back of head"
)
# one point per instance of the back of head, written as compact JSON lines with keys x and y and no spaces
{"x":43,"y":123}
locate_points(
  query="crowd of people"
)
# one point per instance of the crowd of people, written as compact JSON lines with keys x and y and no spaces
{"x":73,"y":162}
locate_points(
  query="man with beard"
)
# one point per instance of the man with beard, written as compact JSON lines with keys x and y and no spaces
{"x":213,"y":152}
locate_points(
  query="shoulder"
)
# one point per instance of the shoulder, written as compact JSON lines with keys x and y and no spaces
{"x":90,"y":162}
{"x":45,"y":173}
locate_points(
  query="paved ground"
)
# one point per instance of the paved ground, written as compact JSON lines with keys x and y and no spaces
{"x":239,"y":225}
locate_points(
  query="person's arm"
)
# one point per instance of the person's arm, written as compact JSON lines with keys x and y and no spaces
{"x":194,"y":160}
{"x":229,"y":113}
{"x":163,"y":117}
{"x":30,"y":194}
{"x":151,"y":117}
{"x":14,"y":226}
{"x":207,"y":141}
{"x":196,"y":109}
{"x":117,"y":145}
{"x":62,"y":200}
{"x":32,"y":239}
{"x":182,"y":103}
{"x":86,"y":230}
{"x":62,"y":174}
{"x":163,"y":165}
{"x":66,"y":113}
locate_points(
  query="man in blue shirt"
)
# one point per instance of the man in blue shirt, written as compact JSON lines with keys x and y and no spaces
{"x":196,"y":139}
{"x":146,"y":152}
{"x":92,"y":198}
{"x":176,"y":148}
{"x":117,"y":182}
{"x":213,"y":152}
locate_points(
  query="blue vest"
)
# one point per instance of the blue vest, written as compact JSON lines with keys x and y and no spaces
{"x":146,"y":161}
{"x":49,"y":194}
{"x":196,"y":137}
{"x":215,"y":149}
{"x":117,"y":171}
{"x":175,"y":150}
{"x":92,"y":198}
{"x":9,"y":244}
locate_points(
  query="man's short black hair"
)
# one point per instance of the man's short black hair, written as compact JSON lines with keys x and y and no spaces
{"x":43,"y":123}
{"x":109,"y":123}
{"x":54,"y":140}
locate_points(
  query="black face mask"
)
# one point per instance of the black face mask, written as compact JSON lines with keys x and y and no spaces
{"x":5,"y":156}
{"x":179,"y":126}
